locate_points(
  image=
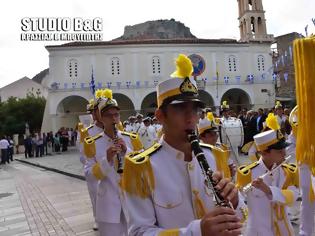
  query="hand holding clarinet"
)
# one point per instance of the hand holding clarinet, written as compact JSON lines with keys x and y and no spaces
{"x":222,"y":221}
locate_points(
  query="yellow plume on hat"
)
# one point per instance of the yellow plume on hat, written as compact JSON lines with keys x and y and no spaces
{"x":278,"y":104}
{"x":272,"y":122}
{"x":107,"y":93}
{"x":98,"y":93}
{"x":210,"y":116}
{"x":184,"y":67}
{"x":224,"y":103}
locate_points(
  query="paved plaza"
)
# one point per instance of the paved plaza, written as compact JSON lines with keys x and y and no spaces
{"x":35,"y":201}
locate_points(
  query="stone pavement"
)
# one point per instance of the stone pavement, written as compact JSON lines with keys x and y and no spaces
{"x":34,"y":201}
{"x":68,"y":163}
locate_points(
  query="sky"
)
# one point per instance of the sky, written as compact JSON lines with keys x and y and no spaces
{"x":206,"y":19}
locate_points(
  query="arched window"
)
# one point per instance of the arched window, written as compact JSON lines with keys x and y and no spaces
{"x":232,"y":64}
{"x":261,"y":63}
{"x":115,"y":66}
{"x":156,"y":66}
{"x":73,"y":68}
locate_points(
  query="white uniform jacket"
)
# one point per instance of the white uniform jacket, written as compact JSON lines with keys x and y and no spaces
{"x":265,"y":216}
{"x":179,"y":199}
{"x":108,"y":200}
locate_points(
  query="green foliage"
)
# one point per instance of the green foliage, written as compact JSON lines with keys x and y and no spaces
{"x":14,"y":113}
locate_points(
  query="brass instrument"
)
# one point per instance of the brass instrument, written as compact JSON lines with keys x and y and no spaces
{"x":206,"y":170}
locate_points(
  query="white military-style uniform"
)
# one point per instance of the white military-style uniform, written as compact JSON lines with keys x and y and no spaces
{"x":269,"y":216}
{"x":109,"y":215}
{"x":88,"y":163}
{"x":147,"y":135}
{"x":179,"y":199}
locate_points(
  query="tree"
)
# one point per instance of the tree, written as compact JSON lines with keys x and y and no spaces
{"x":14,"y":113}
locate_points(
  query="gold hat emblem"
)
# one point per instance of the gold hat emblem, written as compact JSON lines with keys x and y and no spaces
{"x":188,"y":87}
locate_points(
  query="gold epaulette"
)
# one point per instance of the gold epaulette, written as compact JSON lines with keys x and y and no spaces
{"x":221,"y":159}
{"x":89,"y":145}
{"x":84,"y":132}
{"x":138,"y":178}
{"x":244,"y":174}
{"x":292,"y":175}
{"x":135,"y":140}
{"x":247,"y":146}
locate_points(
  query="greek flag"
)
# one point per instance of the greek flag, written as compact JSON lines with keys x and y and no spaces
{"x":250,"y":78}
{"x":238,"y":78}
{"x":226,"y":79}
{"x":274,"y":76}
{"x":92,"y":84}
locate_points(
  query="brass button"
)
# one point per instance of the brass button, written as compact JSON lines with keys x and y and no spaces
{"x":169,"y":205}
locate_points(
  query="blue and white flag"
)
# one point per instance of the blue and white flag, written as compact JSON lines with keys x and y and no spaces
{"x":238,"y":79}
{"x":274,"y":76}
{"x":82,"y":85}
{"x":109,"y":85}
{"x":226,"y":79}
{"x":92,"y":84}
{"x":118,"y":84}
{"x":65,"y":85}
{"x":99,"y":85}
{"x":263,"y":76}
{"x":138,"y":83}
{"x":128,"y":83}
{"x":286,"y":76}
{"x":74,"y":85}
{"x":250,"y":78}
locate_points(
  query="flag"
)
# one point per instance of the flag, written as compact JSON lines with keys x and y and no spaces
{"x":65,"y":85}
{"x":156,"y":82}
{"x":128,"y":83}
{"x":250,"y":78}
{"x":109,"y":85}
{"x":226,"y":79}
{"x":274,"y":76}
{"x":82,"y":85}
{"x":286,"y":76}
{"x":263,"y":76}
{"x":138,"y":84}
{"x":99,"y":85}
{"x":290,"y":52}
{"x":238,"y":78}
{"x":118,"y":84}
{"x":74,"y":85}
{"x":92,"y":84}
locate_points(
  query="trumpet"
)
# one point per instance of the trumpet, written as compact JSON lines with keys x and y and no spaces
{"x":249,"y":187}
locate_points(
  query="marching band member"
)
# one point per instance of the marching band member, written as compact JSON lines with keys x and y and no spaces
{"x":91,"y":130}
{"x":164,"y":185}
{"x":109,"y":148}
{"x":269,"y":196}
{"x":147,"y":133}
{"x":208,"y":133}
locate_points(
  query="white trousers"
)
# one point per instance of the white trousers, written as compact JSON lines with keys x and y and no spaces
{"x":307,"y":207}
{"x":113,"y":229}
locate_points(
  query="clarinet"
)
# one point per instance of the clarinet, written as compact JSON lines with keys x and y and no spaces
{"x":119,"y":159}
{"x":206,"y":171}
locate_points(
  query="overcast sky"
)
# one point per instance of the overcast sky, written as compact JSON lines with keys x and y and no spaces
{"x":205,"y":18}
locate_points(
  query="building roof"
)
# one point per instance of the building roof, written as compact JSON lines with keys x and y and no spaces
{"x":40,"y":76}
{"x":146,"y":42}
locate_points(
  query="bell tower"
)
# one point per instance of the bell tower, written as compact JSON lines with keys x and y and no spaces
{"x":252,"y":21}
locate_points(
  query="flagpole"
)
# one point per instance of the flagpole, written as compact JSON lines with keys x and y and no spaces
{"x":217,"y":74}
